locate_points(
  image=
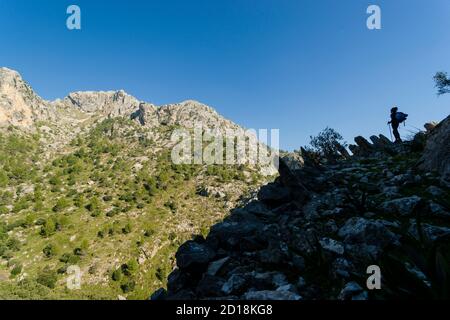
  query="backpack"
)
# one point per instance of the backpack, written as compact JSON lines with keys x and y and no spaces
{"x":401,"y":117}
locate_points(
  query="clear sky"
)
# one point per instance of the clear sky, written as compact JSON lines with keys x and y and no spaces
{"x":297,"y":65}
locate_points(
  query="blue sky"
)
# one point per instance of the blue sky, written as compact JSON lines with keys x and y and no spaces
{"x":298,"y":65}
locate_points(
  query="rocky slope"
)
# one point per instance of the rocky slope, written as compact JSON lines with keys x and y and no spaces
{"x":88,"y":181}
{"x":19,"y":105}
{"x":313,"y":232}
{"x":437,"y":151}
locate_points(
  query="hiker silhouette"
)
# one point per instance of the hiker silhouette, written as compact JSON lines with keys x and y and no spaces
{"x":396,"y":119}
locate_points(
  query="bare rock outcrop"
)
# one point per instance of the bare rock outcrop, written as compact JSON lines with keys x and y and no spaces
{"x":110,"y":103}
{"x":19,"y":105}
{"x":436,"y":156}
{"x":190,"y":113}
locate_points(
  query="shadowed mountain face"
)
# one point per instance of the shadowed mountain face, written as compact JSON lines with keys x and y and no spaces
{"x":373,"y":226}
{"x":87,"y":182}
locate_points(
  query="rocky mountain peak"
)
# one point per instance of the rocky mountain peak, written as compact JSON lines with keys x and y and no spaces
{"x":8,"y":76}
{"x":111,"y":103}
{"x":19,"y":105}
{"x":190,"y":113}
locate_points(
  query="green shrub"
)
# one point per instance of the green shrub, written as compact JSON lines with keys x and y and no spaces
{"x":149,"y":232}
{"x":79,"y":252}
{"x":127,"y":228}
{"x":61,"y":204}
{"x":94,"y":205}
{"x":20,"y":205}
{"x":117,"y":275}
{"x":47,"y":277}
{"x":171,"y":205}
{"x":48,"y":228}
{"x":128,"y":285}
{"x":4,"y":180}
{"x":130,"y":268}
{"x":13,"y":244}
{"x":3,"y":210}
{"x":111,"y":213}
{"x":16,"y":270}
{"x":50,"y":250}
{"x":96,"y":213}
{"x":55,"y":181}
{"x":69,"y":258}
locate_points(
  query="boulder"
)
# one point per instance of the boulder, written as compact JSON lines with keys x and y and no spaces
{"x":288,"y":287}
{"x":293,"y":161}
{"x":350,"y":289}
{"x":384,"y":140}
{"x":210,"y":286}
{"x":370,"y":236}
{"x":430,"y":232}
{"x":215,"y":266}
{"x":295,"y":175}
{"x":298,"y":262}
{"x":364,"y":147}
{"x":239,"y":225}
{"x":332,"y":245}
{"x":435,"y":191}
{"x":341,"y":149}
{"x":258,"y":208}
{"x":354,"y":149}
{"x":341,"y":268}
{"x":402,"y":206}
{"x":235,"y":284}
{"x":436,"y":156}
{"x":159,"y":294}
{"x":429,"y":126}
{"x":177,"y":280}
{"x":376,"y":141}
{"x":192,"y":255}
{"x":438,"y":211}
{"x":274,"y":194}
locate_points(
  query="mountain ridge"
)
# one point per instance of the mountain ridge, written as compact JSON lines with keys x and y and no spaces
{"x":25,"y":107}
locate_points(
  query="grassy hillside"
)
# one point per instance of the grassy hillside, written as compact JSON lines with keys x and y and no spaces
{"x":111,"y":203}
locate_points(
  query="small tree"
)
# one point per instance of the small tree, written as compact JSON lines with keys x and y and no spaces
{"x":16,"y":270}
{"x":3,"y":178}
{"x":47,"y":277}
{"x":48,"y":228}
{"x":327,"y":143}
{"x":61,"y":204}
{"x":442,"y":82}
{"x":50,"y":250}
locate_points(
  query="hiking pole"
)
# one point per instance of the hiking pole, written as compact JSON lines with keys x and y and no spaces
{"x":390,"y":131}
